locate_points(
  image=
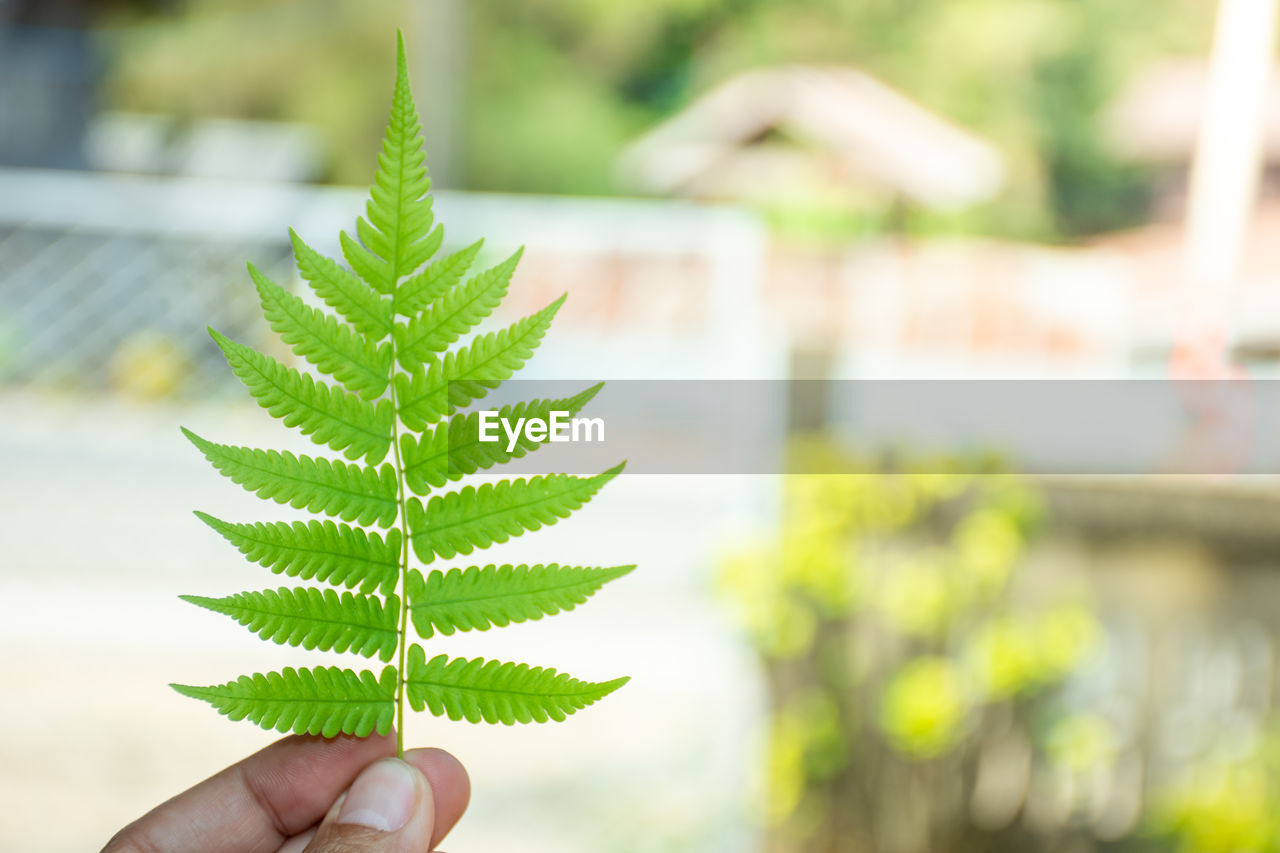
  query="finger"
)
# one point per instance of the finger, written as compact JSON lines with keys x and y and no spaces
{"x":299,"y":842}
{"x":450,"y":786}
{"x":389,"y":808}
{"x":261,"y":802}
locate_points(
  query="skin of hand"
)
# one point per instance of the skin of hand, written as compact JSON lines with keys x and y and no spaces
{"x":308,"y":794}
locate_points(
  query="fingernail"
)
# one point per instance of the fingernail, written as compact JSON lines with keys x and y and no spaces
{"x":382,"y":796}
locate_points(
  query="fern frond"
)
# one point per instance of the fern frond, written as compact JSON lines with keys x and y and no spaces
{"x":342,"y":291}
{"x":318,"y":550}
{"x":453,"y":449}
{"x":460,"y":522}
{"x":467,"y":374}
{"x":324,"y":700}
{"x":314,"y":618}
{"x":349,"y":492}
{"x":477,"y":598}
{"x":397,"y":375}
{"x":494,"y":692}
{"x":419,"y":291}
{"x":420,"y":340}
{"x":331,"y":416}
{"x":360,"y":364}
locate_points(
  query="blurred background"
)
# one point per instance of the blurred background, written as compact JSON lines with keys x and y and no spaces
{"x":958,"y":660}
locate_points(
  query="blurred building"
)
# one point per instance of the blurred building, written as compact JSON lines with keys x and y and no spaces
{"x":817,"y":132}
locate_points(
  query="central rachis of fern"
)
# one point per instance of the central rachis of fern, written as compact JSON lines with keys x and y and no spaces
{"x":401,"y":380}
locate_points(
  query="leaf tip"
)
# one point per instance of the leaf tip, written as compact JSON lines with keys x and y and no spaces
{"x":607,"y":687}
{"x":586,"y":396}
{"x":193,"y":438}
{"x":198,"y":601}
{"x":188,"y":690}
{"x":220,"y":339}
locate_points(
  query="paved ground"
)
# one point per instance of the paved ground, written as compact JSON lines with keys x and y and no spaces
{"x":97,"y":539}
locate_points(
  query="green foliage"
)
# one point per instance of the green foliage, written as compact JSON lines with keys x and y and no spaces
{"x":1224,"y":799}
{"x":896,"y":632}
{"x":400,"y":388}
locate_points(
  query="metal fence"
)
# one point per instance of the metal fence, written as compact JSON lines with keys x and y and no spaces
{"x":108,"y":281}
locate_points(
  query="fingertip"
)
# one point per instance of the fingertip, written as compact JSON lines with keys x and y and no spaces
{"x":387,"y":796}
{"x":450,"y":786}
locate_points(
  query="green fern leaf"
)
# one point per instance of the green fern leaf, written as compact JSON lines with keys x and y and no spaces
{"x":325,"y":700}
{"x":342,"y":291}
{"x":314,"y":618}
{"x":460,"y":522}
{"x":328,"y":415}
{"x":394,"y":379}
{"x":335,"y":488}
{"x":453,"y":449}
{"x":494,"y":692}
{"x":477,"y":598}
{"x":421,"y":290}
{"x":467,"y":374}
{"x":421,"y":339}
{"x":318,"y":550}
{"x":362,"y":366}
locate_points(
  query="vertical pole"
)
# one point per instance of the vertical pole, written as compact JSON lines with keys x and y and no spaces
{"x":1224,"y":180}
{"x":436,"y":35}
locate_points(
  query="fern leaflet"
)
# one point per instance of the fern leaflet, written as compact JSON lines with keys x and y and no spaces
{"x":460,"y":522}
{"x":324,"y":701}
{"x":476,"y":690}
{"x":333,"y":347}
{"x":477,"y":598}
{"x":321,"y":550}
{"x":314,"y":618}
{"x":342,"y":291}
{"x":329,"y":415}
{"x":436,"y":280}
{"x":453,"y":448}
{"x":467,"y":374}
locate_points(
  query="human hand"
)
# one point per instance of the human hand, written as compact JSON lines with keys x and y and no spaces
{"x":308,"y":794}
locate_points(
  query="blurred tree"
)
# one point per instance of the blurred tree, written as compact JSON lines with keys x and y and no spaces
{"x":900,"y":656}
{"x":310,"y":61}
{"x":554,"y":90}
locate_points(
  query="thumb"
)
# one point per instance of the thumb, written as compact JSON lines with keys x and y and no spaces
{"x":388,"y":809}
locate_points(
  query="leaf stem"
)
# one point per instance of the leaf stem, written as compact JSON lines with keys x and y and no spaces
{"x":402,"y":520}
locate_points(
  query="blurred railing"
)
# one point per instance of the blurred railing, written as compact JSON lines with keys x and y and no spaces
{"x":107,"y":281}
